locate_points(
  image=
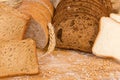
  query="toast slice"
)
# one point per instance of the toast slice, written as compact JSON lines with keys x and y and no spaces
{"x":12,"y":25}
{"x":18,"y":58}
{"x":115,"y":17}
{"x":107,"y":43}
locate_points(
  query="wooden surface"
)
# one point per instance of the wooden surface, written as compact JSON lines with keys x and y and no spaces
{"x":73,"y":65}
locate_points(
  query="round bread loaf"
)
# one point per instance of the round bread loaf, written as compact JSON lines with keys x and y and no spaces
{"x":76,"y":23}
{"x":85,"y":7}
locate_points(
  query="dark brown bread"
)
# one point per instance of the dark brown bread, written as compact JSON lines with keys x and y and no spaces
{"x":76,"y":23}
{"x":68,"y":3}
{"x":107,"y":4}
{"x":103,"y":3}
{"x":82,"y":8}
{"x":74,"y":34}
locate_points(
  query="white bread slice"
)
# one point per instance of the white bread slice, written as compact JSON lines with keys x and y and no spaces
{"x":12,"y":25}
{"x":115,"y":17}
{"x":18,"y":58}
{"x":107,"y":43}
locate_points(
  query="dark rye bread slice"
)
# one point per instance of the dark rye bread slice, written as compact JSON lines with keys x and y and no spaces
{"x":72,"y":32}
{"x":18,"y":58}
{"x":37,"y":29}
{"x":67,"y":4}
{"x":78,"y":8}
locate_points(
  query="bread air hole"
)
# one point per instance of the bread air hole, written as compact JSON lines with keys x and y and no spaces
{"x":59,"y":35}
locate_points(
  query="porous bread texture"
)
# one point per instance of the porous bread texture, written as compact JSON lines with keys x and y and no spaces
{"x":12,"y":25}
{"x":77,"y":22}
{"x":18,"y":58}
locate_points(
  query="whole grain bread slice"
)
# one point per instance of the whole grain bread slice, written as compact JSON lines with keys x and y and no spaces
{"x":12,"y":25}
{"x":18,"y":58}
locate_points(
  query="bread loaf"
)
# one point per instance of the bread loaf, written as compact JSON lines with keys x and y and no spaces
{"x":41,"y":12}
{"x":76,"y":23}
{"x":41,"y":16}
{"x":18,"y":58}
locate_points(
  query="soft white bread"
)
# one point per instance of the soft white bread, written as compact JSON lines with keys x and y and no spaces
{"x":18,"y":58}
{"x":115,"y":17}
{"x":107,"y":43}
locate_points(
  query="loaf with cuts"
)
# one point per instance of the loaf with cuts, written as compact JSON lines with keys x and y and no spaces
{"x":76,"y":22}
{"x":40,"y":13}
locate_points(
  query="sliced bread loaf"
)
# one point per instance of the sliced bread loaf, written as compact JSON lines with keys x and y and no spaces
{"x":79,"y":7}
{"x":107,"y":43}
{"x":77,"y":22}
{"x":75,"y":33}
{"x":37,"y":29}
{"x":18,"y":58}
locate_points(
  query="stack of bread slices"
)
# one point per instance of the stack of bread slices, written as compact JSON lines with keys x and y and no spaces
{"x":23,"y":27}
{"x":77,"y":21}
